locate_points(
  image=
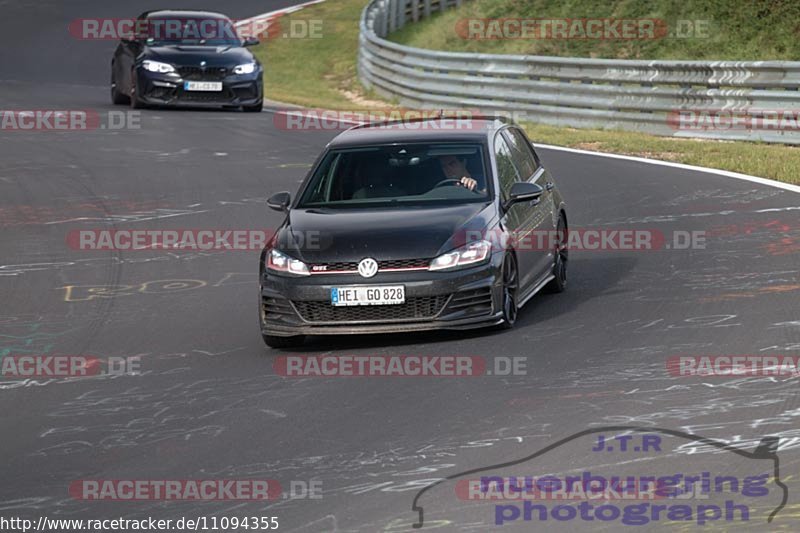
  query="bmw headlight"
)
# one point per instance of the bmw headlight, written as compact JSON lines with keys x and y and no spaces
{"x":157,"y":66}
{"x":471,"y":254}
{"x":280,"y":262}
{"x":247,"y":68}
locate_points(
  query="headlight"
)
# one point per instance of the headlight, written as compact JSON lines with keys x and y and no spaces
{"x":247,"y":68}
{"x":279,"y":262}
{"x":469,"y":255}
{"x":156,"y":66}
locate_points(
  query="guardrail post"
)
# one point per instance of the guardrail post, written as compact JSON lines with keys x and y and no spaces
{"x":401,"y":13}
{"x":384,"y":16}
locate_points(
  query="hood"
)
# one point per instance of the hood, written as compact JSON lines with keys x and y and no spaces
{"x":380,"y":233}
{"x":214,"y":56}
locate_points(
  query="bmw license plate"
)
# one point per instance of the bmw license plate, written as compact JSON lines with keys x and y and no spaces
{"x":375,"y":295}
{"x":208,"y":86}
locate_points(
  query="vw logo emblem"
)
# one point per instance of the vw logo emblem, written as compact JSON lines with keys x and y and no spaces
{"x":368,"y":267}
{"x":202,"y":63}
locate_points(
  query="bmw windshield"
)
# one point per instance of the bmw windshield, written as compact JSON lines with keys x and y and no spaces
{"x":187,"y":31}
{"x":406,"y":174}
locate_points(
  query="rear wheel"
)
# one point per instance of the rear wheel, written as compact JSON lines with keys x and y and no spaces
{"x":117,"y":98}
{"x":510,"y":288}
{"x":282,"y":342}
{"x":559,"y":282}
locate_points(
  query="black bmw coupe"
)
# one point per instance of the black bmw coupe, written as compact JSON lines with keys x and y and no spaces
{"x":186,"y":58}
{"x":403,"y":227}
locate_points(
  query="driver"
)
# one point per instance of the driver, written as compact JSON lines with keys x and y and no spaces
{"x":456,"y":169}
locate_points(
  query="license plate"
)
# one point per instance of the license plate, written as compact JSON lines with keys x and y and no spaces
{"x":377,"y":295}
{"x":209,"y":86}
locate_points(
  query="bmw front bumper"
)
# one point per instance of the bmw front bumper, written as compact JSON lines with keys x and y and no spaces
{"x":159,"y":89}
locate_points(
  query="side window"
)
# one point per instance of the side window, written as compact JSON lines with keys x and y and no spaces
{"x":524,"y":158}
{"x":506,"y":171}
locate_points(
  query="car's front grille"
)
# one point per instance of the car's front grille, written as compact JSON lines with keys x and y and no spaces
{"x":403,"y":263}
{"x":417,"y":308}
{"x":352,"y":266}
{"x":201,"y":96}
{"x":203,"y":73}
{"x":473,"y":300}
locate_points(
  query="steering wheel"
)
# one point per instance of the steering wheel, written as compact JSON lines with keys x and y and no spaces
{"x":448,"y":181}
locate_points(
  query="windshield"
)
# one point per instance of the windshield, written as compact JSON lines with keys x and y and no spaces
{"x":398,"y":174}
{"x":207,"y":31}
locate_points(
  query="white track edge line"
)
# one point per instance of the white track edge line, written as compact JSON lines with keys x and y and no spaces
{"x":694,"y":168}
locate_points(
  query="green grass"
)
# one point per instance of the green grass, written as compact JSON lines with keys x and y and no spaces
{"x":320,"y":72}
{"x":314,"y":72}
{"x":736,"y":29}
{"x":777,"y":162}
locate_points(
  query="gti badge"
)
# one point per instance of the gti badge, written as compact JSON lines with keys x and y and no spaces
{"x":368,"y":267}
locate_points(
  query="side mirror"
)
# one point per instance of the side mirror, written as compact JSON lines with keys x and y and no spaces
{"x":522,"y":191}
{"x":250,"y":41}
{"x":280,"y":201}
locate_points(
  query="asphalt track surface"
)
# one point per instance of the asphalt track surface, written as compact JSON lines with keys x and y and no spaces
{"x":207,"y":403}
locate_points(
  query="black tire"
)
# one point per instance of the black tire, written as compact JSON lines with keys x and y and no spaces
{"x":559,"y":282}
{"x":117,"y":98}
{"x":282,"y":342}
{"x":253,"y":108}
{"x":510,"y":290}
{"x":134,"y":97}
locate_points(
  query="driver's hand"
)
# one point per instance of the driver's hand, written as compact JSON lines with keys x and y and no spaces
{"x":469,"y":183}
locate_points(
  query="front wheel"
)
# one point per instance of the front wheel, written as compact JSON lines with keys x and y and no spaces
{"x":510,"y":287}
{"x":134,"y":98}
{"x":559,"y":282}
{"x":117,"y":98}
{"x":253,"y":108}
{"x":282,"y":342}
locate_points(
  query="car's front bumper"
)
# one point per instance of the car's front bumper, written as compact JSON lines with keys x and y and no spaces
{"x":159,"y":89}
{"x":462,"y":299}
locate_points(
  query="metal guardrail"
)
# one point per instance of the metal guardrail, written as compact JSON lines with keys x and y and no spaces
{"x":734,"y":100}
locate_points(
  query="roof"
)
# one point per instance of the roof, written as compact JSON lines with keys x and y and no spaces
{"x":182,"y":13}
{"x":445,"y":129}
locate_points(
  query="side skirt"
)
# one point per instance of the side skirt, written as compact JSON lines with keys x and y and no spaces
{"x":536,"y":288}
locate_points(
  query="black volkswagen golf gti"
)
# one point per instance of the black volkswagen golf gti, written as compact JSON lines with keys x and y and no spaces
{"x":186,"y":58}
{"x":409,"y":227}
